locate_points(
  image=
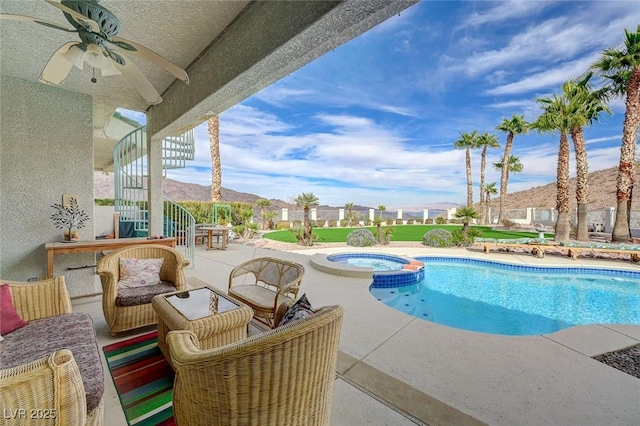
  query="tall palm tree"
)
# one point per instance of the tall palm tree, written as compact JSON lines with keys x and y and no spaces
{"x":621,"y":69}
{"x":485,"y":140}
{"x":467,"y":141}
{"x":489,"y":190}
{"x":349,"y":208}
{"x":216,"y":167}
{"x":306,"y":200}
{"x":513,"y":126}
{"x":556,"y":118}
{"x":378,"y":222}
{"x":263,"y":203}
{"x":584,"y":106}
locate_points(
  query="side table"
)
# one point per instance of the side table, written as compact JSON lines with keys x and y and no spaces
{"x":192,"y":310}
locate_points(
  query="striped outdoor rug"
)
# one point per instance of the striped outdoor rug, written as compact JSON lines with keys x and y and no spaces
{"x":143,"y":380}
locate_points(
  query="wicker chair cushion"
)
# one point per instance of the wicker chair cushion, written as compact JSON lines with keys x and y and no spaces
{"x":261,"y":297}
{"x":10,"y":319}
{"x":44,"y":336}
{"x":139,"y":272}
{"x":301,"y":309}
{"x":142,"y":295}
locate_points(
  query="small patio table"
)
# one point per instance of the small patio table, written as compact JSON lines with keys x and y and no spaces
{"x":213,"y":316}
{"x":221,"y":232}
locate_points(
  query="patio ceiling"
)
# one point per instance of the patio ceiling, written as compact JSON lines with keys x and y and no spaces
{"x":230,"y":49}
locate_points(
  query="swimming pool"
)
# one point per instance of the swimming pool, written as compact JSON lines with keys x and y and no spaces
{"x":378,"y":262}
{"x":498,"y":298}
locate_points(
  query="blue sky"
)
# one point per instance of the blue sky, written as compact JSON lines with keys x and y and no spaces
{"x":374,"y":121}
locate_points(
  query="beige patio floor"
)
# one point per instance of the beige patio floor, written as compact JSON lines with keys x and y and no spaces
{"x":395,"y":369}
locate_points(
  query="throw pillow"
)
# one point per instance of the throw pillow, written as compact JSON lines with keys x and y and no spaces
{"x":139,"y":272}
{"x":10,"y":319}
{"x":301,"y":309}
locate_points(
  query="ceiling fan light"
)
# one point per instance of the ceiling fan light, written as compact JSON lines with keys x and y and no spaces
{"x":74,"y":56}
{"x":109,"y":69}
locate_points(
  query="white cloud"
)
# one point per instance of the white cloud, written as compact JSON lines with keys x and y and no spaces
{"x":505,"y":10}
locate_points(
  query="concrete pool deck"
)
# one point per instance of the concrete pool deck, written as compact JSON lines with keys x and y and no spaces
{"x":396,"y":369}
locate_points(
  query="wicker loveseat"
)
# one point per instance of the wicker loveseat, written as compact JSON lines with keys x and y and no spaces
{"x":50,"y":369}
{"x":282,"y":377}
{"x":131,"y":308}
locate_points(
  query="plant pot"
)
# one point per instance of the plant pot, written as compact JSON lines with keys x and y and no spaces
{"x":74,"y":236}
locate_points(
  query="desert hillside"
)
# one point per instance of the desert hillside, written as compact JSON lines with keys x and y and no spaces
{"x":602,"y":193}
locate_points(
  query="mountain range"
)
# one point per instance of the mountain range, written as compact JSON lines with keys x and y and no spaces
{"x":602,"y":194}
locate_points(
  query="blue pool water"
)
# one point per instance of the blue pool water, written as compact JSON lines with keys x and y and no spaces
{"x":379,"y":262}
{"x":496,"y":298}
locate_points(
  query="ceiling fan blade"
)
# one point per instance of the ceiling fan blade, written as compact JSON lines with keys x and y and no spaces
{"x":151,"y":56}
{"x":57,"y":68}
{"x":22,"y":18}
{"x":139,"y":81}
{"x":78,"y":17}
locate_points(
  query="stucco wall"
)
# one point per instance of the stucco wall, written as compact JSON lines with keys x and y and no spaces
{"x":46,"y":150}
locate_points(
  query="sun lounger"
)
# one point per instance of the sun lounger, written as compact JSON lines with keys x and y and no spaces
{"x":536,"y":246}
{"x":575,"y":248}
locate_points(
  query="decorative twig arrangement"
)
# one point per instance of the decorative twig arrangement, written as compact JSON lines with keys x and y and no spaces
{"x":69,"y":218}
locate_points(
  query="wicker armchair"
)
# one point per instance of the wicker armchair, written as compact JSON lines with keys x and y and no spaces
{"x":265,"y":283}
{"x":51,"y":383}
{"x":122,"y":317}
{"x":282,"y":377}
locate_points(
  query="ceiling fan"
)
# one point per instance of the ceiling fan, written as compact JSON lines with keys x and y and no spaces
{"x":99,"y":46}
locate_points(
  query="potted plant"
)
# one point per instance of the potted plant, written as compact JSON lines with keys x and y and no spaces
{"x":69,"y":218}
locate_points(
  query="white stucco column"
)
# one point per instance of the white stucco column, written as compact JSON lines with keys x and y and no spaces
{"x":154,"y":184}
{"x":425,"y":215}
{"x":285,"y":214}
{"x":372,"y":214}
{"x":314,"y":214}
{"x":340,"y":215}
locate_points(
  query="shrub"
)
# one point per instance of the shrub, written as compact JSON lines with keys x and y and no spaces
{"x":459,"y":238}
{"x":508,"y":223}
{"x":344,"y":223}
{"x":361,"y":238}
{"x":429,"y":221}
{"x":438,"y":238}
{"x":440,"y":220}
{"x":389,"y":222}
{"x":386,"y":235}
{"x":399,"y":221}
{"x":321,"y":223}
{"x":367,"y":222}
{"x":297,"y":223}
{"x":283,"y":224}
{"x":410,"y":221}
{"x":333,"y":223}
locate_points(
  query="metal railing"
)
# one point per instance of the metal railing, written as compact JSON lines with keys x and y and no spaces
{"x":131,"y":189}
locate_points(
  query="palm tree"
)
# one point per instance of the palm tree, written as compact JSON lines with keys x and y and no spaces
{"x":263,"y":203}
{"x":306,"y":200}
{"x":349,"y":208}
{"x":216,"y":167}
{"x":485,"y":140}
{"x":584,"y":106}
{"x":466,"y":214}
{"x":489,"y":190}
{"x":516,"y":125}
{"x":556,"y":117}
{"x":514,"y":165}
{"x":467,"y":141}
{"x":378,"y":223}
{"x":621,"y":69}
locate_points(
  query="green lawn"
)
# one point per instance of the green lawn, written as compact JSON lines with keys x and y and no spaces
{"x":400,"y":233}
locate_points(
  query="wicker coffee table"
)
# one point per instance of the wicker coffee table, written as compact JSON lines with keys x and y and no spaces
{"x":194,"y":310}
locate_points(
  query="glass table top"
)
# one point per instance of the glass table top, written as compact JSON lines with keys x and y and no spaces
{"x":200,"y":303}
